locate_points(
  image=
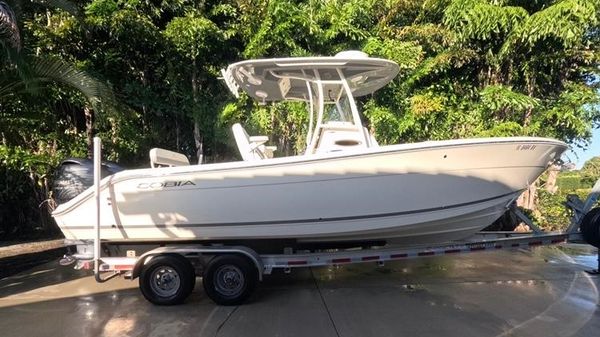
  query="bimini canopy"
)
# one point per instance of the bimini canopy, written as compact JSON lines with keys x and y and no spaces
{"x":286,"y":78}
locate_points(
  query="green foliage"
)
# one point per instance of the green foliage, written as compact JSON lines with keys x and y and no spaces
{"x":566,"y":21}
{"x":498,"y":98}
{"x":194,"y":36}
{"x":408,"y":54}
{"x":100,"y":10}
{"x":487,"y":79}
{"x":552,"y":213}
{"x":285,"y":122}
{"x":349,"y":20}
{"x":386,"y":126}
{"x":24,"y":188}
{"x":591,"y":167}
{"x":569,"y":181}
{"x":570,"y":116}
{"x":590,"y":172}
{"x":30,"y":132}
{"x":284,"y":29}
{"x":482,"y":20}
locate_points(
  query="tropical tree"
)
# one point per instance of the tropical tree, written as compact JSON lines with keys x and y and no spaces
{"x":30,"y":139}
{"x":503,"y":69}
{"x":590,"y":172}
{"x":196,"y":39}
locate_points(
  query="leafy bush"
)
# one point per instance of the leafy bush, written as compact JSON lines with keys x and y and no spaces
{"x":569,"y":182}
{"x":23,"y":189}
{"x":552,"y":213}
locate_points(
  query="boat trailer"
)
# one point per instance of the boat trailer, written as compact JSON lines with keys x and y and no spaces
{"x":230,"y":274}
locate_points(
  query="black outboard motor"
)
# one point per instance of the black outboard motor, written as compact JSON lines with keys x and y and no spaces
{"x":590,"y":228}
{"x":75,"y":175}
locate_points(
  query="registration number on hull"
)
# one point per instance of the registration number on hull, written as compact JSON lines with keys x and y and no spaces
{"x":525,"y":147}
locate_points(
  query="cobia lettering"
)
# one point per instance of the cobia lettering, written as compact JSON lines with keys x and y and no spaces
{"x":166,"y":184}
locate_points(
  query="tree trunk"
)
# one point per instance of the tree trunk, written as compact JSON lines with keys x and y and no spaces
{"x":144,"y":110}
{"x":530,"y":89}
{"x":177,"y":131}
{"x":89,"y":131}
{"x":197,"y":136}
{"x":198,"y":140}
{"x":552,"y":175}
{"x":528,"y":199}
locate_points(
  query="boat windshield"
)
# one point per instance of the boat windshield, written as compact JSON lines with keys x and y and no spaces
{"x":334,"y":121}
{"x":337,"y":107}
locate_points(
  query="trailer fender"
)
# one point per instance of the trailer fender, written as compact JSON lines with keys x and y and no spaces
{"x":182,"y":251}
{"x":139,"y":265}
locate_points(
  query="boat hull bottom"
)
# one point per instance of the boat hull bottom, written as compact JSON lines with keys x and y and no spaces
{"x":434,"y":232}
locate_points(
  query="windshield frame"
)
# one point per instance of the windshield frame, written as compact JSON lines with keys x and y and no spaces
{"x":316,"y":106}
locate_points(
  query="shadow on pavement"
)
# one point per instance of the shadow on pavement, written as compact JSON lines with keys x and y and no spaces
{"x":40,"y":276}
{"x":16,"y":264}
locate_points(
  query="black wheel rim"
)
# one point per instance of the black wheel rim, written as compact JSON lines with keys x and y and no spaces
{"x":229,"y":281}
{"x":165,"y":281}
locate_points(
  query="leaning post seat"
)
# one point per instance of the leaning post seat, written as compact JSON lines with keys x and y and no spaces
{"x":162,"y":157}
{"x":251,"y":147}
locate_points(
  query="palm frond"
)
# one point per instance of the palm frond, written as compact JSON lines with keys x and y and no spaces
{"x":8,"y":89}
{"x":56,"y":70}
{"x":40,"y":70}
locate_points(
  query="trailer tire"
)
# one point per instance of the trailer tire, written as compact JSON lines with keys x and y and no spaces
{"x":590,"y":227}
{"x":229,"y":279}
{"x":167,"y":279}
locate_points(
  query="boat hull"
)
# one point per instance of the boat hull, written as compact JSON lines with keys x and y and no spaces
{"x":413,"y":194}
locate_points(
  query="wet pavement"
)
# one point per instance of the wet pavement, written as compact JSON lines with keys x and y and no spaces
{"x":543,"y":292}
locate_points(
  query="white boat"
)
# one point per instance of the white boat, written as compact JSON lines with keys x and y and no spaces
{"x":343,"y":188}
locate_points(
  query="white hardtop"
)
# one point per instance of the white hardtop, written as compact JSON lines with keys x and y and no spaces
{"x":278,"y":79}
{"x":327,"y":84}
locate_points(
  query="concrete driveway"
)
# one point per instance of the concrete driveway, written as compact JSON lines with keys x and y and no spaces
{"x":541,"y":293}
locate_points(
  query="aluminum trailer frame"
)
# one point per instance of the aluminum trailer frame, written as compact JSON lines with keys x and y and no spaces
{"x":267,"y":262}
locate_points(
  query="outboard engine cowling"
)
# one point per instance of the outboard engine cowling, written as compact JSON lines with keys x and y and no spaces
{"x":590,"y":227}
{"x":75,"y":175}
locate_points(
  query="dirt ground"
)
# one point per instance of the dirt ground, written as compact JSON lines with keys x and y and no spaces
{"x":8,"y":249}
{"x":17,"y":257}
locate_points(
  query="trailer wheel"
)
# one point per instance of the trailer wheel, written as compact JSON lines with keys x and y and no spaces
{"x":167,"y":279}
{"x":229,"y":279}
{"x":590,"y":227}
